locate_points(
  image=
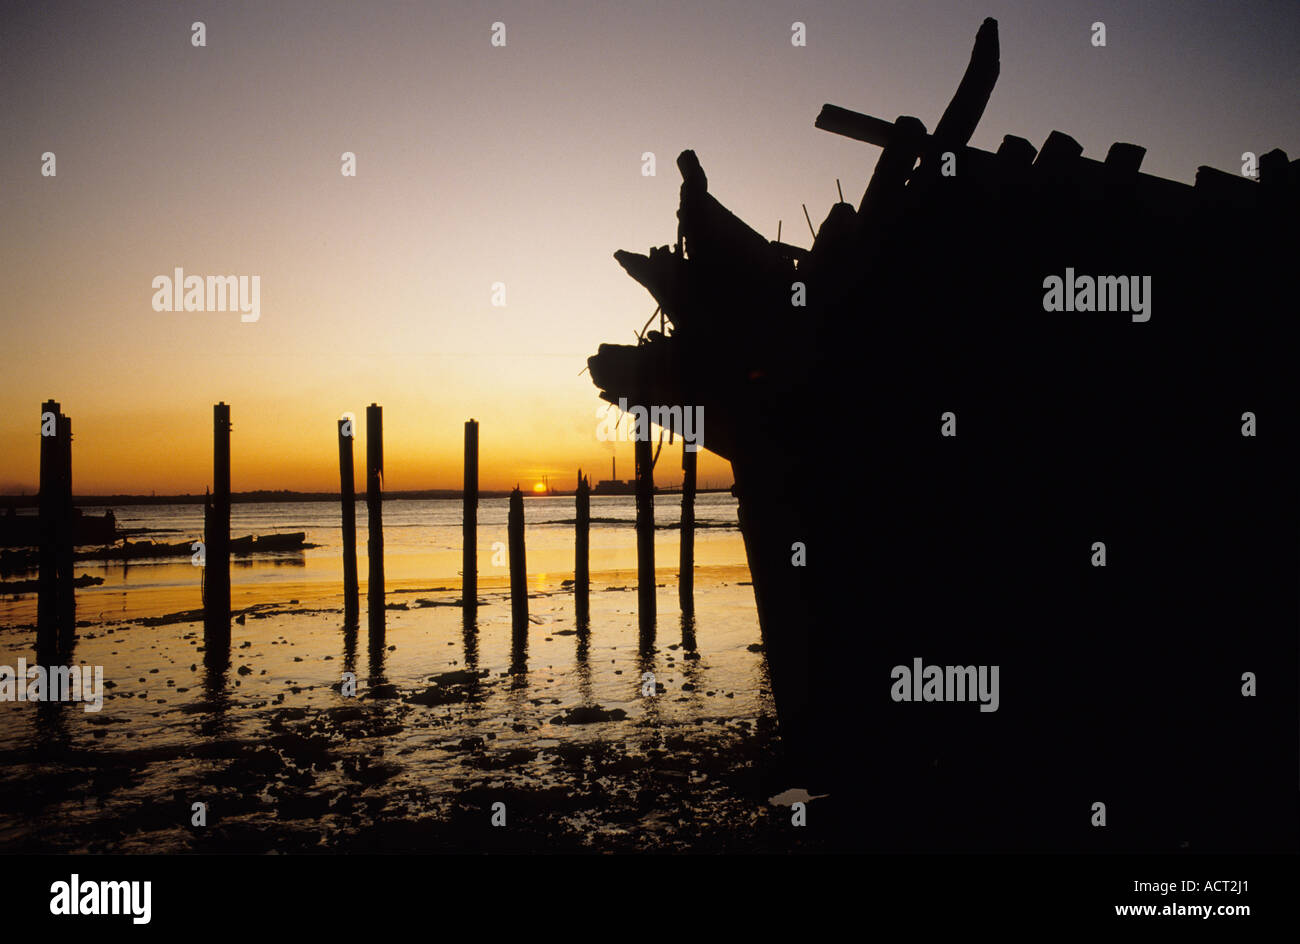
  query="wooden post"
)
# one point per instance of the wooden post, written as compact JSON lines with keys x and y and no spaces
{"x":374,"y":508}
{"x":348,"y":499}
{"x":469,"y":520}
{"x":216,"y":532}
{"x":686,"y":569}
{"x":518,"y":563}
{"x":582,"y":544}
{"x":645,"y":528}
{"x":67,"y":538}
{"x":55,"y":613}
{"x":66,"y":523}
{"x":49,"y":506}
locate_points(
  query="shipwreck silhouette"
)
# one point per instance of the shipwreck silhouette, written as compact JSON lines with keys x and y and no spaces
{"x":924,"y":307}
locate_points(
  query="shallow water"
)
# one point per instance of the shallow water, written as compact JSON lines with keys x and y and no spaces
{"x":448,"y":717}
{"x":422,"y":548}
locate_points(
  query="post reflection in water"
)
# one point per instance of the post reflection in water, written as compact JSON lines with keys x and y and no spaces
{"x":377,"y":642}
{"x":519,"y":654}
{"x":56,"y":625}
{"x":646,"y":632}
{"x":216,"y":666}
{"x":647,"y":675}
{"x":351,"y":608}
{"x":350,"y":633}
{"x":690,"y":657}
{"x":469,"y":636}
{"x":688,"y":632}
{"x":56,"y":640}
{"x":583,"y":656}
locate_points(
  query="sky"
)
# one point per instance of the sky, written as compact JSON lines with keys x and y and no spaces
{"x":478,"y":164}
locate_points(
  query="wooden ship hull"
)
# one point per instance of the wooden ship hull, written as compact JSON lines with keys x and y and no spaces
{"x":927,"y":302}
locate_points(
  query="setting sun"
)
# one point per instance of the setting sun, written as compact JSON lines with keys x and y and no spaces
{"x":539,"y":487}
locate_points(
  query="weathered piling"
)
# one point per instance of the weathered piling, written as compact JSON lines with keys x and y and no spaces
{"x":216,"y":525}
{"x":645,"y":528}
{"x":66,"y":522}
{"x":374,"y":509}
{"x":469,"y":520}
{"x":582,"y":545}
{"x":50,"y":501}
{"x":518,"y":562}
{"x":348,"y":499}
{"x":56,"y":615}
{"x":686,"y":568}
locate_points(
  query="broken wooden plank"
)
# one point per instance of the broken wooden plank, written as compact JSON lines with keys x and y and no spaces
{"x":963,"y":113}
{"x":852,"y":124}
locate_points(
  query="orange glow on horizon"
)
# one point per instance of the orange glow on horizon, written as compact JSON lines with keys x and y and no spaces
{"x":120,"y":448}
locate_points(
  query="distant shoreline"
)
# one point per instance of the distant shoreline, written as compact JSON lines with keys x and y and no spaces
{"x":266,"y":497}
